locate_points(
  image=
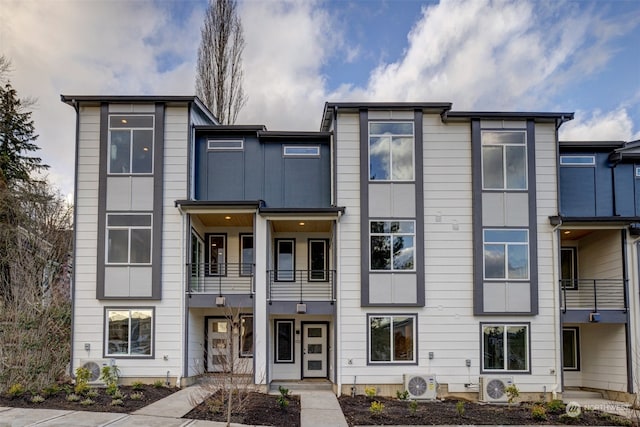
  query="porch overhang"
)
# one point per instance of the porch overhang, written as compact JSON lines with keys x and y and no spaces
{"x":295,"y":213}
{"x":556,"y":220}
{"x":606,"y":316}
{"x":207,"y":206}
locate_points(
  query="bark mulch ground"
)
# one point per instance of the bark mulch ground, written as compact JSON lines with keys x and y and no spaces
{"x":257,"y":409}
{"x":102,"y":402}
{"x":398,"y":412}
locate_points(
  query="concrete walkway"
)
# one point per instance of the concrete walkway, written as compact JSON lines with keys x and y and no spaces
{"x":318,"y":409}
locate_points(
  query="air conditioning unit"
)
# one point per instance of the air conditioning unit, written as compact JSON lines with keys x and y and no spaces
{"x":95,"y":367}
{"x":421,"y":386}
{"x":493,"y":389}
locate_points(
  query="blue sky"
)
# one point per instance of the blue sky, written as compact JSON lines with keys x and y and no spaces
{"x":490,"y":55}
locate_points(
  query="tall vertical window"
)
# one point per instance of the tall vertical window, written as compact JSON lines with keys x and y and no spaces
{"x":391,"y":151}
{"x":246,"y":254}
{"x":392,"y":245}
{"x":504,"y":160}
{"x":130,"y":144}
{"x":569,"y":267}
{"x":506,"y":254}
{"x":129,"y":332}
{"x":217,"y":247}
{"x":570,"y":349}
{"x":246,"y":335}
{"x":318,"y":259}
{"x":285,"y":260}
{"x":284,"y":341}
{"x":392,"y":339}
{"x":128,"y":239}
{"x":505,"y":347}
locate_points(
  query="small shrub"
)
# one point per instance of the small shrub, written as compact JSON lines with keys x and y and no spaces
{"x":282,"y":402}
{"x":538,"y":413}
{"x":117,"y":402}
{"x":614,"y":420}
{"x":402,"y":395}
{"x":568,"y":419}
{"x":82,"y":381}
{"x":111,"y":389}
{"x":67,"y":388}
{"x":87,"y":402}
{"x":92,"y":393}
{"x":512,"y":393}
{"x":16,"y":390}
{"x":50,"y":391}
{"x":158,"y":384}
{"x":137,"y":385}
{"x":118,"y":395}
{"x":460,"y":408}
{"x":370,"y":392}
{"x":136,"y":396}
{"x":73,"y":398}
{"x":556,"y":406}
{"x":284,"y":392}
{"x":376,"y":408}
{"x":37,"y":399}
{"x":413,"y":407}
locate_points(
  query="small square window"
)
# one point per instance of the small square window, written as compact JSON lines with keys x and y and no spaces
{"x":129,"y":332}
{"x":505,"y":347}
{"x":392,"y":339}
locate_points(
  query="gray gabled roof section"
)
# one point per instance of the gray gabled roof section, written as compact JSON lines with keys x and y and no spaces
{"x":594,"y":145}
{"x":202,"y":112}
{"x":630,"y":151}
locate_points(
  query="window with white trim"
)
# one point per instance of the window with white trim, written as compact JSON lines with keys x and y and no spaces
{"x":505,"y":347}
{"x":637,"y":172}
{"x":506,"y":254}
{"x":392,"y":245}
{"x":301,"y":151}
{"x":577,"y":160}
{"x":131,"y":144}
{"x":246,"y":335}
{"x":504,"y":160}
{"x":128,"y":238}
{"x":225,"y":144}
{"x":284,"y":341}
{"x":391,"y":146}
{"x":392,"y":339}
{"x":570,"y":349}
{"x":129,"y":332}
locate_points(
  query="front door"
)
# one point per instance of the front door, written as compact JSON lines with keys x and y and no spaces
{"x":314,"y":350}
{"x":218,"y":335}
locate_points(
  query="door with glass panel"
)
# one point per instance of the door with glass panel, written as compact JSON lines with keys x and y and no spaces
{"x":218,"y":345}
{"x":314,"y":350}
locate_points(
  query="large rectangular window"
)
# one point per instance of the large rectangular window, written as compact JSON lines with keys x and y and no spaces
{"x":392,"y":339}
{"x":246,"y":335}
{"x":391,"y":146}
{"x":570,"y":349}
{"x":505,"y":347}
{"x":128,"y":238}
{"x":504,"y":160}
{"x":129,"y":332}
{"x":506,"y":254}
{"x":130,"y":144}
{"x":392,"y":245}
{"x":284,"y":341}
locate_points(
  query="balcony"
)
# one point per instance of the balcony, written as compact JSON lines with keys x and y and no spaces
{"x":594,"y":294}
{"x":221,"y":279}
{"x":301,"y":285}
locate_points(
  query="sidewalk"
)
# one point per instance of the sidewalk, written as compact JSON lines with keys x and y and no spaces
{"x":317,"y":409}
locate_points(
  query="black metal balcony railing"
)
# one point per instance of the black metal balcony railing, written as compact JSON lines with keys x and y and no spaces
{"x":221,"y":278}
{"x":301,"y":285}
{"x":594,"y":294}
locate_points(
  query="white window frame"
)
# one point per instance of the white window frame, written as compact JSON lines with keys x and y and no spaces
{"x":504,"y":158}
{"x":231,"y":144}
{"x":576,"y":348}
{"x":505,"y":346}
{"x":129,"y":354}
{"x":638,"y":172}
{"x":391,"y":235}
{"x":413,"y":148}
{"x":573,"y":285}
{"x":131,"y":130}
{"x":506,"y":255}
{"x":292,"y":325}
{"x":574,"y":160}
{"x":242,"y":336}
{"x":244,"y":269}
{"x":129,"y":228}
{"x":414,"y":350}
{"x":290,"y":150}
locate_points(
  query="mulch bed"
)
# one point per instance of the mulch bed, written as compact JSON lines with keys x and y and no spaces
{"x":257,"y":409}
{"x":397,"y":412}
{"x":102,"y":402}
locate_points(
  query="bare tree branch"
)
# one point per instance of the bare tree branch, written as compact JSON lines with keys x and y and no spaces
{"x":219,"y":74}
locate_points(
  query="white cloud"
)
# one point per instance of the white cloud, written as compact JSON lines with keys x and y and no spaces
{"x":599,"y":126}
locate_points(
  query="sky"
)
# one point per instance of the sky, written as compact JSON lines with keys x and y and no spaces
{"x":485,"y":55}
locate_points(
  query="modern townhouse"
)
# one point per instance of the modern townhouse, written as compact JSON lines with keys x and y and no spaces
{"x":403,"y":245}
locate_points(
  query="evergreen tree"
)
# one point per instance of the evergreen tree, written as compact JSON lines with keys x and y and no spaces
{"x":17,"y":140}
